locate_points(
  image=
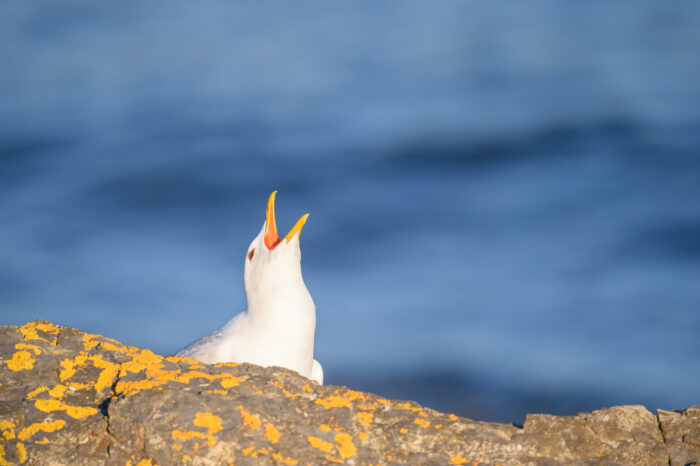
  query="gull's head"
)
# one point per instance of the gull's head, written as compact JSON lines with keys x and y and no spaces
{"x":273,"y":264}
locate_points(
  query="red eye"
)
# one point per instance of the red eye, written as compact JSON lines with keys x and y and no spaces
{"x":251,"y":254}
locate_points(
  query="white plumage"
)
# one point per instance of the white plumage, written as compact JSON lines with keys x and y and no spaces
{"x":278,"y":327}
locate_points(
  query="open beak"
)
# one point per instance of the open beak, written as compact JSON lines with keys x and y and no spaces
{"x":271,"y":237}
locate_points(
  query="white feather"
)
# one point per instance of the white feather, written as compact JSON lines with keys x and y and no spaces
{"x":278,"y":327}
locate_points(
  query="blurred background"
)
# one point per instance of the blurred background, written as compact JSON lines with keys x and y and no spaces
{"x":504,"y":199}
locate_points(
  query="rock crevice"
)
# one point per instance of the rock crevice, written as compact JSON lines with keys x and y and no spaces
{"x":75,"y":398}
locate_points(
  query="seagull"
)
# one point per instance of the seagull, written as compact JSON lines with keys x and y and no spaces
{"x":278,"y":327}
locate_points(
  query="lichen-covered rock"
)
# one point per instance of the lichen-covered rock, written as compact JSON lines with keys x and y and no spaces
{"x":68,"y":397}
{"x":681,"y":431}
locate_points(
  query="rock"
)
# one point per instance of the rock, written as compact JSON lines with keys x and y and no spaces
{"x":681,"y":432}
{"x":68,"y":397}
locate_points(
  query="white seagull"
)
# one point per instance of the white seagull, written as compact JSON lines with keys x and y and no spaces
{"x":278,"y":327}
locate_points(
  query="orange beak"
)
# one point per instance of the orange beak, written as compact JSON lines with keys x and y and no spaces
{"x":271,"y":237}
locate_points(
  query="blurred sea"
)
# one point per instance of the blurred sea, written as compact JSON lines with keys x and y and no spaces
{"x":504,"y":199}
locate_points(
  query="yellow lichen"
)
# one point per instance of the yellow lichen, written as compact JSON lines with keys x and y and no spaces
{"x":355,"y":395}
{"x":422,"y":422}
{"x":3,"y":461}
{"x":208,"y":420}
{"x":6,"y":424}
{"x":32,"y":429}
{"x":271,"y":433}
{"x":249,"y":419}
{"x":190,"y":434}
{"x":21,"y":360}
{"x":218,"y":392}
{"x":35,"y":392}
{"x":231,"y":381}
{"x":324,"y":428}
{"x":48,"y":328}
{"x":58,"y":391}
{"x":289,"y":461}
{"x":286,"y":392}
{"x":365,"y":418}
{"x":458,"y":460}
{"x":43,"y":441}
{"x":346,"y":447}
{"x":77,"y":412}
{"x":403,"y":430}
{"x":362,"y":436}
{"x":452,"y":417}
{"x":21,"y":452}
{"x":333,"y":401}
{"x":28,"y":332}
{"x":27,"y":346}
{"x":320,"y":444}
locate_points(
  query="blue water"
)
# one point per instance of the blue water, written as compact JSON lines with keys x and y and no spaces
{"x":504,"y":200}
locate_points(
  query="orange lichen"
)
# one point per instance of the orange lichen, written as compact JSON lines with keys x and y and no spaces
{"x":320,"y":444}
{"x":21,"y":360}
{"x":346,"y":447}
{"x":410,"y":407}
{"x":249,"y":419}
{"x":6,"y":424}
{"x":104,"y":380}
{"x":27,"y":346}
{"x":208,"y":420}
{"x":79,"y":385}
{"x":333,"y":401}
{"x":271,"y":433}
{"x":77,"y":412}
{"x":362,"y":436}
{"x":251,"y":451}
{"x":403,"y":430}
{"x":43,"y":441}
{"x":47,"y":327}
{"x":324,"y":428}
{"x":452,"y":417}
{"x":282,"y":459}
{"x":29,"y":431}
{"x":190,"y":434}
{"x":286,"y":392}
{"x":365,"y":418}
{"x":355,"y":395}
{"x":307,"y":388}
{"x":7,"y":427}
{"x":218,"y":392}
{"x":458,"y":460}
{"x":28,"y":332}
{"x":3,"y":461}
{"x":21,"y":452}
{"x":231,"y":381}
{"x":58,"y":391}
{"x":422,"y":422}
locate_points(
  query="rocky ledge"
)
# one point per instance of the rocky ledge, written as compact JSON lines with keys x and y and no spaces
{"x":68,"y":397}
